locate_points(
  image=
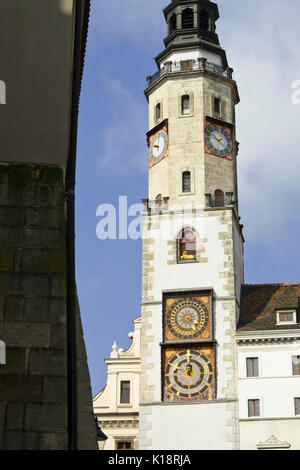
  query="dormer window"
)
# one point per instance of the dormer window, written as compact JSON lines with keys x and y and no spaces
{"x":286,"y":317}
{"x":187,"y":18}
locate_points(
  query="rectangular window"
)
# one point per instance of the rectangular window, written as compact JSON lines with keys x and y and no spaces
{"x":186,"y":64}
{"x":125,"y":391}
{"x":124,"y":445}
{"x":296,"y":365}
{"x":185,"y":104}
{"x":217,"y":106}
{"x":297,"y":406}
{"x":252,"y":367}
{"x":157,"y":112}
{"x":253,"y":408}
{"x":186,"y":182}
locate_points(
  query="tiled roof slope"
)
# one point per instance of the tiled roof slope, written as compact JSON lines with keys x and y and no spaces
{"x":259,"y":303}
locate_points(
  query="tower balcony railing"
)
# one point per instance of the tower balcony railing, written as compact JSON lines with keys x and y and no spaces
{"x":184,"y":66}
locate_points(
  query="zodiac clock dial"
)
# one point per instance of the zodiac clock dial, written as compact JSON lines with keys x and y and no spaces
{"x":189,"y":374}
{"x":218,"y":140}
{"x":158,"y":146}
{"x":187,"y":318}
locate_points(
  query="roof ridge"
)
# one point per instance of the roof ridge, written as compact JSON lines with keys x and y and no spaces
{"x":274,"y":284}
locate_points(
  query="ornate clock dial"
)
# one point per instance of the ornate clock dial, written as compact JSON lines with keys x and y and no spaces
{"x":187,"y":318}
{"x":158,"y":146}
{"x":189,"y":374}
{"x":218,"y":140}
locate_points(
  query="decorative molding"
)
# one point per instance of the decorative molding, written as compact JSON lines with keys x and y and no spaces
{"x":273,"y":443}
{"x":133,"y":423}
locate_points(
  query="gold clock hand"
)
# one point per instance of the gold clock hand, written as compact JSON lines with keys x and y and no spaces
{"x":188,"y":355}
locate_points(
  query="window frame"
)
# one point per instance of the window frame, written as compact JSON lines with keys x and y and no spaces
{"x":179,"y":244}
{"x":124,"y":439}
{"x":286,"y":312}
{"x":259,"y":407}
{"x":183,"y":174}
{"x":297,"y":366}
{"x":125,"y":403}
{"x":297,"y":406}
{"x":253,"y":368}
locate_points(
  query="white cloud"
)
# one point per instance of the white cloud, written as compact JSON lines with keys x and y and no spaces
{"x":123,"y":140}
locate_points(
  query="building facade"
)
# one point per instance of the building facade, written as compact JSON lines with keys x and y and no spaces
{"x":117,"y":405}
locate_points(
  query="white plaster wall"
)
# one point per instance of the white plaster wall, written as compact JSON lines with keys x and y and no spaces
{"x":285,"y":430}
{"x":194,"y":427}
{"x":276,"y":386}
{"x":190,"y":275}
{"x":192,"y":54}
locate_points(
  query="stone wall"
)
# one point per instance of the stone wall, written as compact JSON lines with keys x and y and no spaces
{"x":33,"y":383}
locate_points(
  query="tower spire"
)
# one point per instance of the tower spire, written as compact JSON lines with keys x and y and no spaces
{"x":192,"y":27}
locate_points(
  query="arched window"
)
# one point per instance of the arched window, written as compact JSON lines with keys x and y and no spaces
{"x":157,"y":112}
{"x":187,"y":18}
{"x":185,"y":104}
{"x":204,"y":20}
{"x":187,"y":245}
{"x":219,"y":198}
{"x":173,"y":22}
{"x":186,"y":182}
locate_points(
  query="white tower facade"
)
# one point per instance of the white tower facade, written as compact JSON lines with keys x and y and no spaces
{"x":192,"y":241}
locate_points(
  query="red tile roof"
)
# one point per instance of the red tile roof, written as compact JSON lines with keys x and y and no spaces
{"x":259,"y":303}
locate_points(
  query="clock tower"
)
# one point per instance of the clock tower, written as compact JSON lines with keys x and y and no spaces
{"x":192,"y":241}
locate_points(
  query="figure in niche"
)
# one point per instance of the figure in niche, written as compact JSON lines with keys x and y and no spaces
{"x":187,"y":245}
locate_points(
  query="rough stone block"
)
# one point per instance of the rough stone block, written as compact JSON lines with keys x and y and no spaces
{"x":3,"y":407}
{"x":42,"y":239}
{"x":6,"y":259}
{"x":23,"y":284}
{"x":16,"y":362}
{"x":26,"y":334}
{"x":21,"y":388}
{"x":40,"y":309}
{"x":55,"y":390}
{"x":58,"y":336}
{"x":58,"y":286}
{"x":53,"y":441}
{"x":47,"y":362}
{"x":44,"y":261}
{"x":45,"y":418}
{"x":11,"y":217}
{"x":14,"y":308}
{"x":31,"y":441}
{"x":14,"y":416}
{"x":13,"y":440}
{"x":44,"y":218}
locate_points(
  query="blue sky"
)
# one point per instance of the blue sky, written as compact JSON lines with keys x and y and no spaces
{"x":262,"y":44}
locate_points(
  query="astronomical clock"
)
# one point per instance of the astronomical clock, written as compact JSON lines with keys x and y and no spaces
{"x":158,"y":143}
{"x":188,"y":351}
{"x":218,"y":138}
{"x":188,"y":373}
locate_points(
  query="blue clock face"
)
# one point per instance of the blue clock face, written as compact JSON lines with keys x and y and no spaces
{"x":218,"y":140}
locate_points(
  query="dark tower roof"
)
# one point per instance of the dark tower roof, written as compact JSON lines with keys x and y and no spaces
{"x":191,"y":23}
